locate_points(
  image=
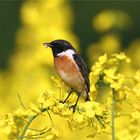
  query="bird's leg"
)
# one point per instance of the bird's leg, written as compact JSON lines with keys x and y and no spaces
{"x":67,"y":96}
{"x":87,"y":98}
{"x":74,"y":106}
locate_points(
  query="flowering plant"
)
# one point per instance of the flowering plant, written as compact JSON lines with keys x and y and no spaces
{"x":94,"y":115}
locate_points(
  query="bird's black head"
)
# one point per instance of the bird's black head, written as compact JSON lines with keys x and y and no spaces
{"x":59,"y":46}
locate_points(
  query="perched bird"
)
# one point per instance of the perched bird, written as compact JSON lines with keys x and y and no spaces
{"x":71,"y":68}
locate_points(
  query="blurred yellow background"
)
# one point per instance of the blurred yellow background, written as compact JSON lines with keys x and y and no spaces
{"x":93,"y":27}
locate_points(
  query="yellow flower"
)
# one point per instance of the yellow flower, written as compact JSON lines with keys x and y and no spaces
{"x":98,"y":67}
{"x":133,"y":52}
{"x":121,"y":56}
{"x":110,"y":44}
{"x":34,"y":108}
{"x":66,"y":113}
{"x":55,"y":132}
{"x":115,"y":82}
{"x":104,"y":21}
{"x":93,"y":88}
{"x":89,"y":105}
{"x":59,"y":83}
{"x":78,"y":117}
{"x":62,"y":109}
{"x":8,"y":130}
{"x":49,"y":103}
{"x":49,"y":137}
{"x":110,"y":72}
{"x":90,"y":113}
{"x":103,"y":59}
{"x":137,"y":76}
{"x":42,"y":98}
{"x":55,"y":110}
{"x":109,"y":19}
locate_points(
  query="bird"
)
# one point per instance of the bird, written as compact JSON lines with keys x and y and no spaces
{"x":71,"y":68}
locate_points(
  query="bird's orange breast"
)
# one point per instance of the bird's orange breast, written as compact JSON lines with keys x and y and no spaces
{"x":69,"y":72}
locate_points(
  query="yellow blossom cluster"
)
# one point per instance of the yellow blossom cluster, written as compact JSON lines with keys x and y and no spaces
{"x":17,"y":125}
{"x":125,"y":80}
{"x":13,"y":123}
{"x":30,"y":73}
{"x":108,"y":19}
{"x":107,"y":69}
{"x":85,"y":110}
{"x":107,"y":73}
{"x":92,"y":114}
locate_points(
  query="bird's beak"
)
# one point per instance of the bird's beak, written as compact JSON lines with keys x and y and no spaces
{"x":47,"y":44}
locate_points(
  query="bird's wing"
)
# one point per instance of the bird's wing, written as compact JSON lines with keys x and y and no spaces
{"x":84,"y":71}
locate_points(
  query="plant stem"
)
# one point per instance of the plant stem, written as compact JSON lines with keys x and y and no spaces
{"x":113,"y":114}
{"x":50,"y":118}
{"x":21,"y":137}
{"x":32,"y":117}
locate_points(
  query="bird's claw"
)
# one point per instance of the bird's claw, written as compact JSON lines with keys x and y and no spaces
{"x":61,"y":102}
{"x":73,"y":107}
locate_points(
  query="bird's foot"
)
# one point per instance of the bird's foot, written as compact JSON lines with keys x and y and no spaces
{"x":61,"y":101}
{"x":73,"y":107}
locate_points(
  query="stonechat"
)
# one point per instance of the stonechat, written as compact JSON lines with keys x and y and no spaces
{"x":71,"y":68}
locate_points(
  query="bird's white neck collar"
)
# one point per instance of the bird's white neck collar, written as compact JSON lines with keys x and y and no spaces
{"x":68,"y":53}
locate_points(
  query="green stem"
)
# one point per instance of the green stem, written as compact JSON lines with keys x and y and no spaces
{"x":113,"y":114}
{"x":50,"y":118}
{"x":21,"y":137}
